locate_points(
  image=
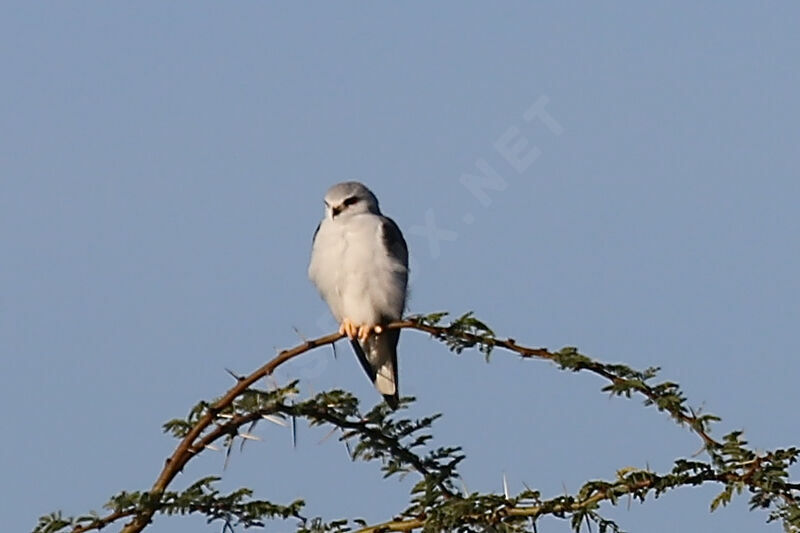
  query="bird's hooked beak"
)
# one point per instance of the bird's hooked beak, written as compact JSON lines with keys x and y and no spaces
{"x":334,"y":209}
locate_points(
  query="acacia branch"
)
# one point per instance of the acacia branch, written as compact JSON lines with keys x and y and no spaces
{"x":637,"y":484}
{"x":443,"y":332}
{"x":185,"y":450}
{"x":465,"y":332}
{"x":327,"y":415}
{"x":397,"y":449}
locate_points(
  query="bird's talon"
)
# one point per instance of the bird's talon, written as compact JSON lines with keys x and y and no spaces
{"x":363,"y":332}
{"x":348,"y":328}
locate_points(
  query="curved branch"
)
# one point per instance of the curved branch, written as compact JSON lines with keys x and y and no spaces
{"x":509,"y":344}
{"x":469,"y":336}
{"x":637,"y":484}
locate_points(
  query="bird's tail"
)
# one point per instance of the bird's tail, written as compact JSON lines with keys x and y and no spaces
{"x":378,"y":357}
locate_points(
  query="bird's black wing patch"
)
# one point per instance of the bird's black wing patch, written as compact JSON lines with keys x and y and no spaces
{"x":362,"y":358}
{"x":314,"y":238}
{"x":393,"y":240}
{"x":391,"y":336}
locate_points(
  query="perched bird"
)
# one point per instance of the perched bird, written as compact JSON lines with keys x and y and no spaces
{"x":359,"y":263}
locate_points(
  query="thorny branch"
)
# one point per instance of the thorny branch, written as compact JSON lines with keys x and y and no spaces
{"x":728,"y":456}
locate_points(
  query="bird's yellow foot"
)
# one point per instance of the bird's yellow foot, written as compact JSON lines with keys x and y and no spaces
{"x":348,"y":328}
{"x":364,"y":331}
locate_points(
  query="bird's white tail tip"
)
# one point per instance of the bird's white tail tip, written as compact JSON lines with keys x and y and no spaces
{"x":384,"y":384}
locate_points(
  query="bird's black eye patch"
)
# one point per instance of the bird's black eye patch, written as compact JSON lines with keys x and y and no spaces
{"x":350,"y":201}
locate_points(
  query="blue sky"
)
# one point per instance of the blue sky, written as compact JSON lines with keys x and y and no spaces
{"x":162,"y":170}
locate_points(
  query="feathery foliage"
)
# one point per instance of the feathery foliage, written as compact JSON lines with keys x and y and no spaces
{"x":404,"y":447}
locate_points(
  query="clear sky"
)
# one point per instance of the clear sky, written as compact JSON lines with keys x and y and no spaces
{"x":162,"y":168}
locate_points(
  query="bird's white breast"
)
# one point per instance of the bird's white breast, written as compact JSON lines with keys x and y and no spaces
{"x":354,"y":273}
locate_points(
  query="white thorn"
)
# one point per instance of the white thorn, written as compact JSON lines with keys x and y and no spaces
{"x":249,"y":436}
{"x":212,"y":447}
{"x":505,"y":486}
{"x":326,"y":437}
{"x":275,"y":420}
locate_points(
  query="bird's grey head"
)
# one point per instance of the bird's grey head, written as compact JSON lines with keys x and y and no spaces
{"x":349,"y":198}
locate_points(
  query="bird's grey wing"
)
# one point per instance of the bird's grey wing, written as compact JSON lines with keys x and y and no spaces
{"x":387,"y":344}
{"x":362,"y":358}
{"x":313,"y":267}
{"x":393,"y":241}
{"x":378,"y":354}
{"x":314,"y":238}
